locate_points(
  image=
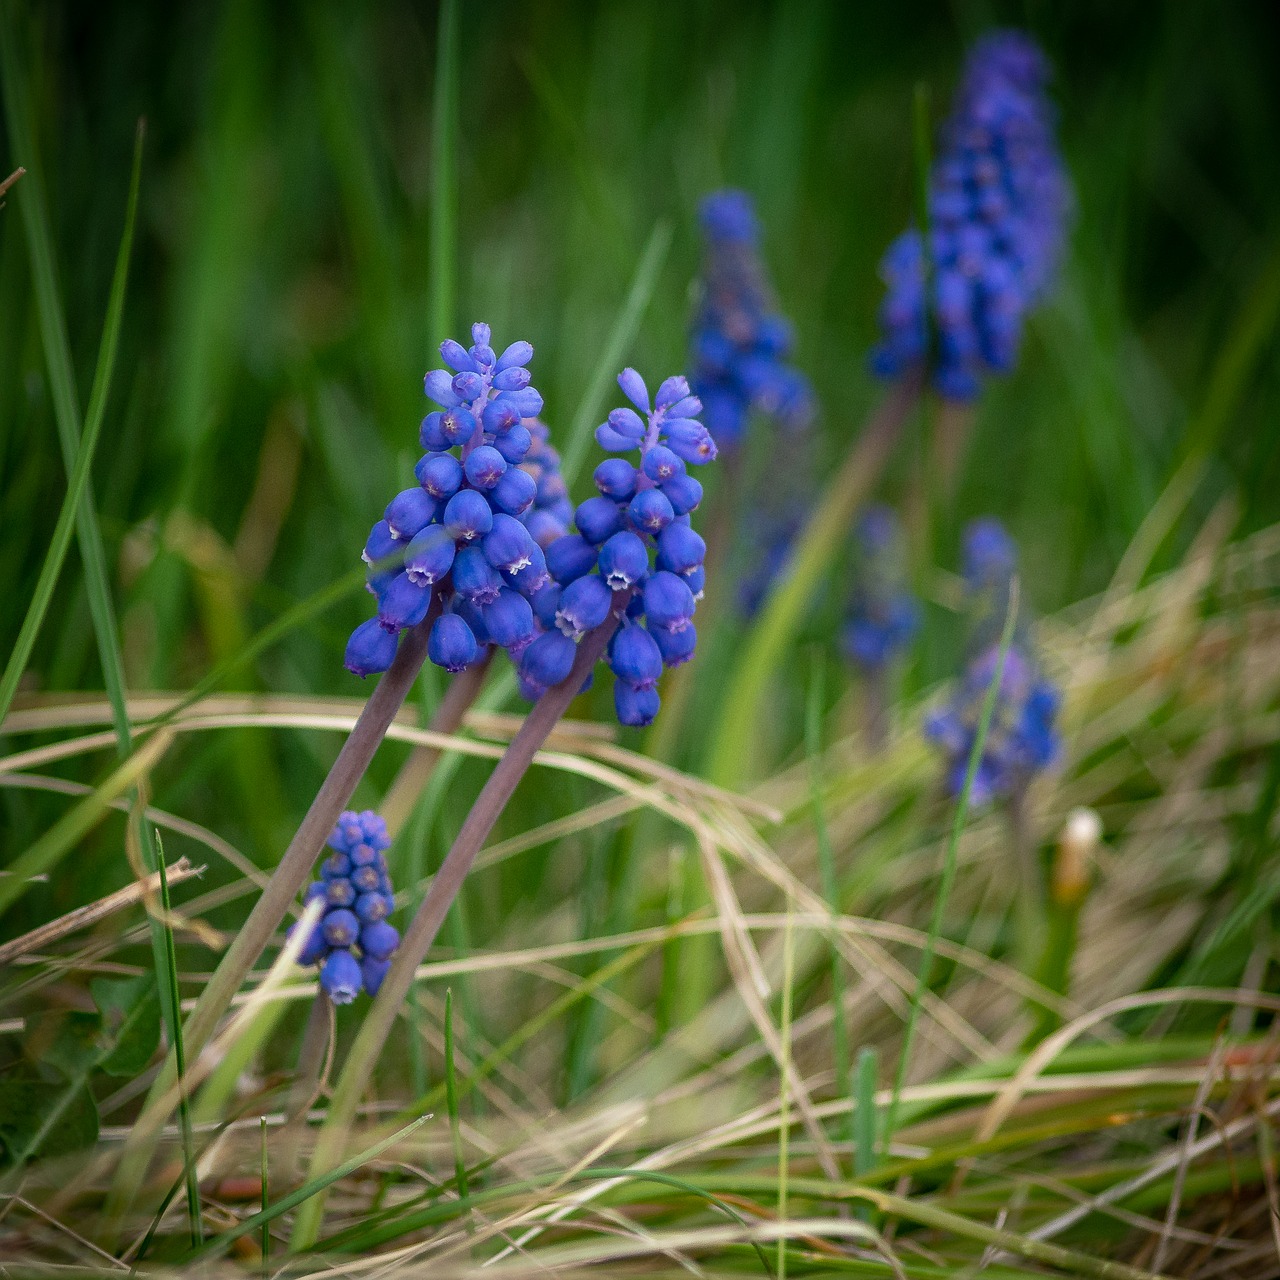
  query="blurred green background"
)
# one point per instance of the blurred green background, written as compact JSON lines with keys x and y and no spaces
{"x":280,"y":308}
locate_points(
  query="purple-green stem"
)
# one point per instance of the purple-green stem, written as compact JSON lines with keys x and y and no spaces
{"x":269,"y":911}
{"x":421,"y":933}
{"x":414,"y":774}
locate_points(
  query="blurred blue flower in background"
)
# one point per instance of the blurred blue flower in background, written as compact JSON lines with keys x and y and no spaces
{"x":740,"y":342}
{"x":1022,"y":739}
{"x":999,"y":198}
{"x":884,"y":616}
{"x":353,"y":942}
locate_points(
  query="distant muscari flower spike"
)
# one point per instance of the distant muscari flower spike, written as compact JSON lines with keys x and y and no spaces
{"x":1023,"y":738}
{"x":634,"y":554}
{"x":884,"y":616}
{"x":771,"y":538}
{"x":999,"y":199}
{"x":353,"y":942}
{"x":740,"y":341}
{"x":471,"y":533}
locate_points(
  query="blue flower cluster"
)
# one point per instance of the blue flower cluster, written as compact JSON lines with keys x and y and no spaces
{"x":462,"y":534}
{"x":605,"y":566}
{"x":884,"y":616}
{"x":771,"y":537}
{"x":1023,"y":737}
{"x":551,"y":514}
{"x":998,"y":204}
{"x":356,"y":891}
{"x":740,"y":342}
{"x":988,"y":555}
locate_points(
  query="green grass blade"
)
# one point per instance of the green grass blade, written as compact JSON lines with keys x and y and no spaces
{"x":80,"y":473}
{"x":173,"y":1019}
{"x":950,"y":861}
{"x":451,"y":1096}
{"x":864,"y":1110}
{"x":816,"y":548}
{"x":444,"y":178}
{"x":265,"y":1202}
{"x":784,"y":1115}
{"x":826,"y":863}
{"x":57,"y":351}
{"x":303,"y":1193}
{"x":621,"y":336}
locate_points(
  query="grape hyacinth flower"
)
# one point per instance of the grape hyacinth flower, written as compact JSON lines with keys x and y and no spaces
{"x":634,"y":555}
{"x":551,"y":514}
{"x":884,"y":616}
{"x":353,"y":942}
{"x":989,"y":560}
{"x":989,"y":555}
{"x":1022,"y":739}
{"x":772,"y":538}
{"x":462,"y":537}
{"x":740,"y":341}
{"x":998,"y":203}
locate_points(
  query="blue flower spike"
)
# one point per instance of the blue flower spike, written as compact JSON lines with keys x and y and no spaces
{"x":634,"y":554}
{"x":352,"y":942}
{"x":884,"y":616}
{"x":1023,"y":738}
{"x":489,"y":499}
{"x":740,"y":342}
{"x":999,"y":201}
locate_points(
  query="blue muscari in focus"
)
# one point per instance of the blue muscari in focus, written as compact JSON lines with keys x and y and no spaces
{"x":353,"y":942}
{"x":1022,"y":738}
{"x":884,"y":616}
{"x":639,"y":512}
{"x":998,"y":204}
{"x":740,"y":342}
{"x":471,"y":533}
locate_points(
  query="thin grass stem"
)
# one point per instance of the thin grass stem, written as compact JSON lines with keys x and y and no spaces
{"x":950,"y":863}
{"x":826,"y":867}
{"x":784,"y":1117}
{"x":444,"y":178}
{"x":621,"y":335}
{"x":173,"y":1021}
{"x":451,"y":1097}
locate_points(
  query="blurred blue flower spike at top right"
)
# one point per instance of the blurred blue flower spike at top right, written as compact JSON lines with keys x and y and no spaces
{"x":740,"y":341}
{"x":1022,"y":739}
{"x":884,"y":616}
{"x":999,"y":200}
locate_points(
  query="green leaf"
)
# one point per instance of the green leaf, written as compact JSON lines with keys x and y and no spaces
{"x":131,"y":1022}
{"x":69,"y":1042}
{"x":28,"y":1100}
